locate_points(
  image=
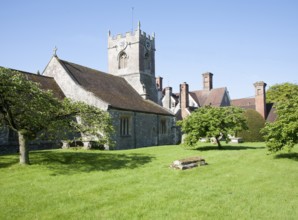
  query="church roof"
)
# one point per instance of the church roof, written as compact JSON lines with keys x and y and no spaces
{"x":45,"y":82}
{"x":212,"y":97}
{"x":111,"y":89}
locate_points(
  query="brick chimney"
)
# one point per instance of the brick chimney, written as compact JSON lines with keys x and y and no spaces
{"x":260,"y":98}
{"x":184,"y":99}
{"x":167,"y":103}
{"x":207,"y":81}
{"x":158,"y":81}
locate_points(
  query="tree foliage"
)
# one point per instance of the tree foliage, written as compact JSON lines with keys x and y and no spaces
{"x":34,"y":113}
{"x":281,"y":92}
{"x":283,"y":133}
{"x":212,"y":122}
{"x":255,"y":122}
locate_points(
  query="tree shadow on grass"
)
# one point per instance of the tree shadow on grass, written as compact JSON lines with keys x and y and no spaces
{"x":7,"y":162}
{"x":292,"y":156}
{"x":68,"y":163}
{"x":227,"y":147}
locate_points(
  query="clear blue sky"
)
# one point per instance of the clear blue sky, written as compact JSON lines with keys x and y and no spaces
{"x":241,"y":42}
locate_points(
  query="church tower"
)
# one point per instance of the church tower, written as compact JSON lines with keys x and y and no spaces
{"x":133,"y":57}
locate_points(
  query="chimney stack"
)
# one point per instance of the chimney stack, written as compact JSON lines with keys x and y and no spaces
{"x":158,"y":81}
{"x":260,"y":98}
{"x":207,"y":81}
{"x":167,"y":103}
{"x":184,"y":99}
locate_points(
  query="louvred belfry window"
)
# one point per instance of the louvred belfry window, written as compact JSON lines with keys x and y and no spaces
{"x":122,"y":60}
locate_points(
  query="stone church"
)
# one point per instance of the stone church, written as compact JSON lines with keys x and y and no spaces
{"x":128,"y":92}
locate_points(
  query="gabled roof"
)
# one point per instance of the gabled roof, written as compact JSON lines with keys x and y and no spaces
{"x":45,"y":82}
{"x":212,"y":97}
{"x":271,"y":114}
{"x":112,"y":89}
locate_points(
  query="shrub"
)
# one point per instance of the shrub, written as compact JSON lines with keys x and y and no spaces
{"x":255,"y":123}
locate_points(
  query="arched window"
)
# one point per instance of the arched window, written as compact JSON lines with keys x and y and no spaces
{"x":122,"y":60}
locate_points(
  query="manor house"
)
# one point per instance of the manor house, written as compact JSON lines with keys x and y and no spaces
{"x":186,"y":101}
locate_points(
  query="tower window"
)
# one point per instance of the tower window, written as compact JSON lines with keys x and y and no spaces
{"x":122,"y":60}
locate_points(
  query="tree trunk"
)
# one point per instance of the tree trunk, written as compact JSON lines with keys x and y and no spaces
{"x":24,"y":149}
{"x":218,"y":142}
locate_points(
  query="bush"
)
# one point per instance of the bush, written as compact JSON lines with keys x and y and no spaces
{"x":255,"y":123}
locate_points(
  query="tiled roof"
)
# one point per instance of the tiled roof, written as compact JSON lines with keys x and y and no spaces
{"x":271,"y":114}
{"x":249,"y":103}
{"x":212,"y":97}
{"x":246,"y":103}
{"x":45,"y":82}
{"x":111,"y":89}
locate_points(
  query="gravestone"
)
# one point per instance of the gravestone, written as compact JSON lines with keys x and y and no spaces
{"x":188,"y":163}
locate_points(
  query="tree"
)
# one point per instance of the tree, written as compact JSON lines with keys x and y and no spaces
{"x":255,"y":122}
{"x":281,"y":92}
{"x":283,"y":133}
{"x":34,"y":113}
{"x":213,"y":122}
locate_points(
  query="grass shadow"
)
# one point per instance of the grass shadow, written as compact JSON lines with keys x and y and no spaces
{"x":7,"y":162}
{"x":291,"y":156}
{"x":67,"y":163}
{"x":227,"y":147}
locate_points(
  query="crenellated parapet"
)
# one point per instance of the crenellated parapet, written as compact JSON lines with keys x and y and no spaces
{"x":137,"y":36}
{"x":140,"y":33}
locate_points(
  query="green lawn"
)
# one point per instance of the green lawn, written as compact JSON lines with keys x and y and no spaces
{"x":241,"y":182}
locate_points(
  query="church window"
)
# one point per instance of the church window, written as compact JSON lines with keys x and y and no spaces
{"x":163,"y":126}
{"x":124,"y":126}
{"x":122,"y":60}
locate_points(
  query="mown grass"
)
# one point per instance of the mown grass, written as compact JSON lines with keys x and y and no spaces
{"x":240,"y":182}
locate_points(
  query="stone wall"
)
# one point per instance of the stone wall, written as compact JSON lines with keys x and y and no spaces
{"x":3,"y":135}
{"x":70,"y":88}
{"x":144,"y":130}
{"x":14,"y":148}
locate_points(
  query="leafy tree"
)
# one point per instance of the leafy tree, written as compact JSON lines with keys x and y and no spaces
{"x":283,"y":133}
{"x":34,"y":113}
{"x":255,"y":122}
{"x":281,"y":92}
{"x":216,"y":122}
